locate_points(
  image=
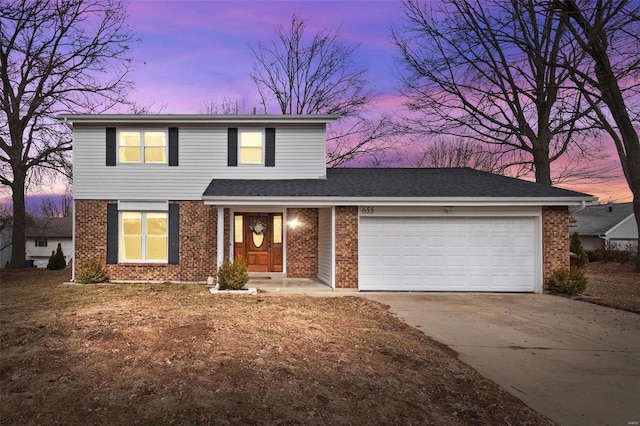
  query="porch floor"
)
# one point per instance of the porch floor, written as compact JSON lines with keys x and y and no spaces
{"x":280,"y":284}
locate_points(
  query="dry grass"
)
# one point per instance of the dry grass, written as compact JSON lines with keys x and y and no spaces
{"x":612,"y":284}
{"x":174,"y":354}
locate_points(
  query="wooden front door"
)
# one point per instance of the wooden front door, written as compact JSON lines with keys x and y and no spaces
{"x":258,"y":240}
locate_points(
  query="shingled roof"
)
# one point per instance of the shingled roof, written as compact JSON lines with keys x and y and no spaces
{"x":50,"y":227}
{"x":390,"y":183}
{"x":597,"y":220}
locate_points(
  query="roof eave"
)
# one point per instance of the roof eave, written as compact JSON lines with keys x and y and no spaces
{"x":142,"y":119}
{"x":396,"y":201}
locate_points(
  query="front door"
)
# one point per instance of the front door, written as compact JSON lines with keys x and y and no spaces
{"x":258,"y":240}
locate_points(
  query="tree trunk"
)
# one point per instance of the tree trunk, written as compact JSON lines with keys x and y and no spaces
{"x":636,"y":211}
{"x":19,"y":220}
{"x":542,"y":165}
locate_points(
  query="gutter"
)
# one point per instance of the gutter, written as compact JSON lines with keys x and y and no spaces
{"x":393,"y":201}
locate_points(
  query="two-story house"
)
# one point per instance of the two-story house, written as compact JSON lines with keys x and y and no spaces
{"x":168,"y":197}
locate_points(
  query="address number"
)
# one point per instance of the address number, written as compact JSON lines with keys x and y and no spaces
{"x":366,"y":210}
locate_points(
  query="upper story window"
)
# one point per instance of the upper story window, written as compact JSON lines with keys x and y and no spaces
{"x":251,"y":145}
{"x":41,"y":242}
{"x":142,"y":146}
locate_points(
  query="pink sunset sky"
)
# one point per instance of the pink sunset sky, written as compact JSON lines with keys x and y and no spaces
{"x":193,"y":51}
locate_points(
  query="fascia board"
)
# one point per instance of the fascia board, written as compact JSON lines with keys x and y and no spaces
{"x":397,"y":201}
{"x":196,"y":119}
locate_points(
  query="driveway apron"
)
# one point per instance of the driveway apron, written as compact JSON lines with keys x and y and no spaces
{"x":575,"y":362}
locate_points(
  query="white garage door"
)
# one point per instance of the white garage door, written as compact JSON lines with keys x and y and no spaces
{"x":447,"y":254}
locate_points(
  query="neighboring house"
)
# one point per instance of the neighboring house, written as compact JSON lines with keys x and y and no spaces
{"x":168,"y":197}
{"x":6,"y":229}
{"x":43,"y":236}
{"x":603,"y":225}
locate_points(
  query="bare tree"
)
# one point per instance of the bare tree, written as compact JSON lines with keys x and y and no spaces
{"x":487,"y":71}
{"x":55,"y":57}
{"x":316,"y":75}
{"x":50,"y":207}
{"x":608,"y":31}
{"x":225,"y":106}
{"x":459,"y":153}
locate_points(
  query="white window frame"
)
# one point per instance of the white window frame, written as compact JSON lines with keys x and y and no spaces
{"x":262,"y":146}
{"x":39,"y":240}
{"x":141,"y":132}
{"x":142,"y":236}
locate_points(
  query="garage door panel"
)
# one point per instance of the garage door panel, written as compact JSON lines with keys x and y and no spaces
{"x":447,"y":254}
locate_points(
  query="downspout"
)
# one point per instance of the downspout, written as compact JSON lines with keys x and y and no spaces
{"x":583,"y":205}
{"x":73,"y":241}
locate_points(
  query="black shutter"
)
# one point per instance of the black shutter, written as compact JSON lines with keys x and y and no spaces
{"x":232,"y":146}
{"x":270,"y":147}
{"x":173,"y":146}
{"x":112,"y":234}
{"x":174,"y":234}
{"x":111,"y":146}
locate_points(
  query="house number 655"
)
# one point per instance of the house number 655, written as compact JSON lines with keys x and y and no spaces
{"x":367,"y":210}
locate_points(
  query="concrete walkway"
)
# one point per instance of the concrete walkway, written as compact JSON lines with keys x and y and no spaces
{"x":577,"y":363}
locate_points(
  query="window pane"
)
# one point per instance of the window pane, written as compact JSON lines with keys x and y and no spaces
{"x":157,"y":248}
{"x":251,"y":155}
{"x":277,"y":229}
{"x":154,"y":155}
{"x":129,"y":154}
{"x":129,"y":138}
{"x":238,"y":229}
{"x":251,"y":139}
{"x":154,"y":139}
{"x":131,"y":223}
{"x":131,"y":248}
{"x":157,"y":224}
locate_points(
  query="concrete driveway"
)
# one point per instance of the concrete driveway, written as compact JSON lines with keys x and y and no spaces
{"x":577,"y":363}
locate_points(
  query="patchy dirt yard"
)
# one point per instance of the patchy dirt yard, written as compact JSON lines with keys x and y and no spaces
{"x":612,"y":284}
{"x":174,"y":354}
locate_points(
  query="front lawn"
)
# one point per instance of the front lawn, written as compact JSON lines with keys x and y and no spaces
{"x":613,"y":285}
{"x":175,"y":354}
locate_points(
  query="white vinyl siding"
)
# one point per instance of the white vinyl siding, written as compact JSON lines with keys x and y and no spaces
{"x":497,"y":254}
{"x":300,"y":154}
{"x":325,"y":246}
{"x":625,"y":230}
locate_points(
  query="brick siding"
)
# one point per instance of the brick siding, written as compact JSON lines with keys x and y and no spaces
{"x":302,"y":244}
{"x":555,"y":241}
{"x":197,"y":244}
{"x":346,"y":247}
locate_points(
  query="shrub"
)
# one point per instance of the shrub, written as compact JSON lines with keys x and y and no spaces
{"x":232,"y":275}
{"x":613,"y":253}
{"x":56,"y":261}
{"x":93,"y":272}
{"x":568,"y":281}
{"x":593,"y":256}
{"x":576,"y":247}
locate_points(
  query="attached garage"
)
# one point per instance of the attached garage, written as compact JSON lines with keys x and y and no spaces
{"x":450,"y":253}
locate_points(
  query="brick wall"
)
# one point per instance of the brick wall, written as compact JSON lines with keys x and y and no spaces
{"x":197,"y":244}
{"x":555,"y":241}
{"x":302,"y":244}
{"x":227,"y":229}
{"x":346,"y":247}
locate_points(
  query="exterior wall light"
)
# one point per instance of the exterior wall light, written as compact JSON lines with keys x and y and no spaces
{"x":294,"y":223}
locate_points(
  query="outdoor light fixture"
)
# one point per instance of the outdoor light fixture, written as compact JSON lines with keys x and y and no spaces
{"x":294,"y":223}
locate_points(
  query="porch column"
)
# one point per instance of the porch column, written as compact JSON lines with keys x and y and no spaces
{"x":220,"y":236}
